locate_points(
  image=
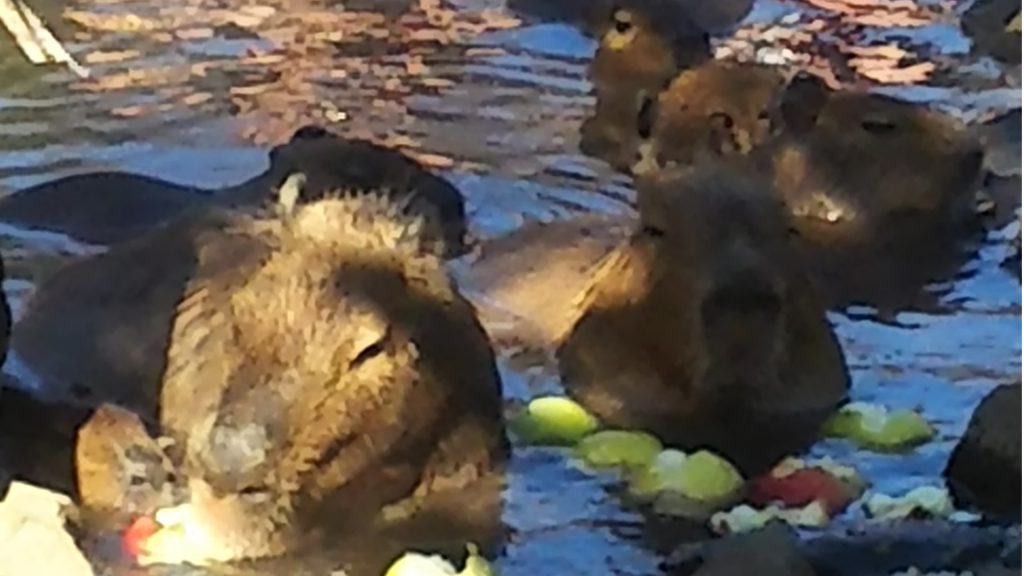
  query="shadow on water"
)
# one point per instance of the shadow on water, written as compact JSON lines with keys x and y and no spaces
{"x":194,"y":91}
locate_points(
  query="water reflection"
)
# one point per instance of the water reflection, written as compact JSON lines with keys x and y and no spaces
{"x":194,"y":91}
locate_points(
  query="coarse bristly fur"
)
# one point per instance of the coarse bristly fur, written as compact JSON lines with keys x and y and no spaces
{"x":340,"y":366}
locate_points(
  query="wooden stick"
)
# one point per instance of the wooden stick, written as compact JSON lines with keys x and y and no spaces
{"x":33,"y":38}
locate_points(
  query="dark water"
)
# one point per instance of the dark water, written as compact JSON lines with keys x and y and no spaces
{"x":193,"y":91}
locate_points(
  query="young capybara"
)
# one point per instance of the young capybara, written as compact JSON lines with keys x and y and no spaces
{"x":309,"y":367}
{"x":703,"y":329}
{"x":111,"y":207}
{"x":716,"y":109}
{"x":638,"y":55}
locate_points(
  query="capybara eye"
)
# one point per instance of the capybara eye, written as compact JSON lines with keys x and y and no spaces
{"x":877,"y":126}
{"x":253,"y":490}
{"x":371,"y":351}
{"x":652,"y":231}
{"x":137,"y":480}
{"x":722,"y":119}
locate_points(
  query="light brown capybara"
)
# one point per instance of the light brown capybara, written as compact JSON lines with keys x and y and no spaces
{"x":309,"y":368}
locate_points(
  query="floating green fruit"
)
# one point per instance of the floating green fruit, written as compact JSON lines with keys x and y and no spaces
{"x":416,"y":564}
{"x":1014,"y":25}
{"x":873,"y":426}
{"x":709,"y":477}
{"x":703,"y":477}
{"x":618,"y":448}
{"x":553,"y":420}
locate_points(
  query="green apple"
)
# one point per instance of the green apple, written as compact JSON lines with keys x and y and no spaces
{"x":553,"y":420}
{"x":618,"y":448}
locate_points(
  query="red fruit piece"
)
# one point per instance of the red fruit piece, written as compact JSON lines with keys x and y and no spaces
{"x":800,"y":489}
{"x":135,"y":535}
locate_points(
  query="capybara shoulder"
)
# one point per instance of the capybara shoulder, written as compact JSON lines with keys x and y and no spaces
{"x":96,"y":330}
{"x":703,"y":330}
{"x":984,"y":468}
{"x":99,"y":207}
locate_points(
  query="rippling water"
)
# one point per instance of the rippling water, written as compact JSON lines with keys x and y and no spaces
{"x":194,"y":91}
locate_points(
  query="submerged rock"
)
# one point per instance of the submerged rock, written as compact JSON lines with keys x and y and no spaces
{"x":773,"y":550}
{"x":984,"y":469}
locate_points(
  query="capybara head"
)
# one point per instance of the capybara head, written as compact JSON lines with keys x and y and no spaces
{"x":641,"y":49}
{"x":854,"y":163}
{"x":331,"y":162}
{"x":702,"y":330}
{"x":716,"y":109}
{"x":337,"y":365}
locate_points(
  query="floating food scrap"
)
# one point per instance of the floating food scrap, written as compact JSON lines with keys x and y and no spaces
{"x":745,"y":518}
{"x":136,"y":534}
{"x":874,"y":427}
{"x":175,"y":535}
{"x":619,"y":448}
{"x":415,"y":564}
{"x":553,"y":420}
{"x":795,"y":483}
{"x":926,"y":501}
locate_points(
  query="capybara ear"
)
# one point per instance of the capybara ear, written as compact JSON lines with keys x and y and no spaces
{"x":802,"y":102}
{"x":310,"y":132}
{"x":289,"y":192}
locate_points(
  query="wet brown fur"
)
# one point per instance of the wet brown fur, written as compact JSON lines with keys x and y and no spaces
{"x":717,"y":109}
{"x":882,"y":191}
{"x":703,"y":330}
{"x":322,"y":357}
{"x":634,"y":62}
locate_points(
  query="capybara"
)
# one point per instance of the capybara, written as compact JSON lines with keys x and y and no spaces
{"x":111,"y":207}
{"x":313,"y":365}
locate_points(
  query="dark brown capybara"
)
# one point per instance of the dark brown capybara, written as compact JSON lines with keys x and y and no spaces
{"x":984,"y":469}
{"x":994,"y":27}
{"x":716,"y":109}
{"x":638,"y":55}
{"x":1012,"y":262}
{"x":110,"y":207}
{"x":881,"y":190}
{"x":675,"y":16}
{"x":308,"y":368}
{"x":5,"y":315}
{"x":5,"y":336}
{"x":702,"y":327}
